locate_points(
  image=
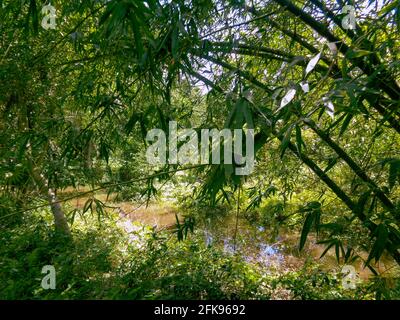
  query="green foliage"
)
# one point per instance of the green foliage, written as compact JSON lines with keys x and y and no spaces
{"x":313,"y":283}
{"x":313,"y":218}
{"x":81,"y":266}
{"x":77,"y":102}
{"x":104,"y":263}
{"x":187,"y":270}
{"x":101,"y":263}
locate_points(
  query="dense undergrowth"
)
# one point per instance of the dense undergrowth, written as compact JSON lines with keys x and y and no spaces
{"x":105,"y":262}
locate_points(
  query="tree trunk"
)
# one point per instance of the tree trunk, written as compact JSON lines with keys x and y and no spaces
{"x":60,"y":220}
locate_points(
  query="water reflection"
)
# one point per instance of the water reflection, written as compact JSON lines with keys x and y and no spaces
{"x":253,"y":247}
{"x":208,"y":238}
{"x":269,"y":255}
{"x":229,"y":246}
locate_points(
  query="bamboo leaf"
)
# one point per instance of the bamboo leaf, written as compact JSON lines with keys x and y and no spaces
{"x":174,"y":41}
{"x":137,"y":36}
{"x":286,"y":140}
{"x":394,"y":172}
{"x":299,"y":140}
{"x":131,"y":123}
{"x":34,"y":14}
{"x":337,"y":252}
{"x":88,"y":205}
{"x":327,"y":249}
{"x":379,"y":245}
{"x":306,"y":229}
{"x":358,"y":53}
{"x":312,"y":63}
{"x":332,"y":46}
{"x":363,"y":200}
{"x":330,"y":108}
{"x":287,"y":98}
{"x":305,"y":86}
{"x":345,"y":124}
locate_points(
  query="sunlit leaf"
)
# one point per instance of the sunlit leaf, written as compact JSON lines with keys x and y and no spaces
{"x":287,"y":98}
{"x":312,"y":63}
{"x":330,"y":108}
{"x":304,"y":86}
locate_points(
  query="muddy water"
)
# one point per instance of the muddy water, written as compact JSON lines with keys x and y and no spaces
{"x":254,"y":243}
{"x":280,"y":252}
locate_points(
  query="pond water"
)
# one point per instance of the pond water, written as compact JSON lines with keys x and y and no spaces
{"x":258,"y":251}
{"x":256,"y":244}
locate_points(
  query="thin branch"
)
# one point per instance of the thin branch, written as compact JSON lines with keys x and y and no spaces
{"x":237,"y":25}
{"x":108,"y":186}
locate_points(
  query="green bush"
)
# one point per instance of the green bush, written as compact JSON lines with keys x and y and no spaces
{"x":104,"y":262}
